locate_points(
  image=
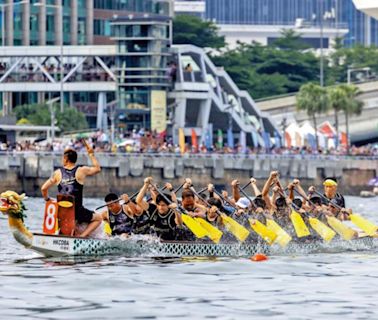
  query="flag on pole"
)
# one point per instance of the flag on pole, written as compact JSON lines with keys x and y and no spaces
{"x":182,"y":140}
{"x":266,"y":137}
{"x":255,"y":139}
{"x":230,"y":138}
{"x":243,"y":142}
{"x":220,"y":139}
{"x":194,"y":141}
{"x":209,"y":136}
{"x":277,"y":139}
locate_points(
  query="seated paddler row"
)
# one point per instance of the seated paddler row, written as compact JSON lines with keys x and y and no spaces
{"x":272,"y":214}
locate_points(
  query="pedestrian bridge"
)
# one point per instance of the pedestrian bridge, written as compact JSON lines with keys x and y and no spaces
{"x":362,"y":128}
{"x":38,"y":68}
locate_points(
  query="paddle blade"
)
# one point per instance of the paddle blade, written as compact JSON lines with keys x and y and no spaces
{"x":213,"y":233}
{"x":194,"y":226}
{"x":322,"y":230}
{"x":283,"y":238}
{"x":343,"y":230}
{"x":299,"y":225}
{"x":240,"y":232}
{"x":268,"y":235}
{"x":107,"y":229}
{"x":369,"y":227}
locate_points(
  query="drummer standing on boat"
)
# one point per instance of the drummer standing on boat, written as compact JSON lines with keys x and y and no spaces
{"x":70,"y":180}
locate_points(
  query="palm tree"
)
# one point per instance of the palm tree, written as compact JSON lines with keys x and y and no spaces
{"x":353,"y":106}
{"x":313,"y":99}
{"x":337,"y":99}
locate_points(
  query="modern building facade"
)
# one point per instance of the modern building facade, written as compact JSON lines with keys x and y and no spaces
{"x":370,"y":7}
{"x":336,"y":14}
{"x":191,"y":7}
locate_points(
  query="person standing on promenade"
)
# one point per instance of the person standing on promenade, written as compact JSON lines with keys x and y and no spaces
{"x":70,"y":180}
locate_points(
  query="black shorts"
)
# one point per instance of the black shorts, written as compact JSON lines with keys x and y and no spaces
{"x":83,"y":215}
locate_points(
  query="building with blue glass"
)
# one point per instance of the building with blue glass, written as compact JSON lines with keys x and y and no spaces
{"x":335,"y":13}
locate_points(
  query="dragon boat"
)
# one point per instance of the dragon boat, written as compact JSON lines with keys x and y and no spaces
{"x":59,"y":245}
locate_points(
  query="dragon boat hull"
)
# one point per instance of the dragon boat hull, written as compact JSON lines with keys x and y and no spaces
{"x":55,"y":246}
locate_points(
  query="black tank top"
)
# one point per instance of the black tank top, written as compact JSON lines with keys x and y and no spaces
{"x":163,"y":225}
{"x":121,"y":222}
{"x":70,"y":186}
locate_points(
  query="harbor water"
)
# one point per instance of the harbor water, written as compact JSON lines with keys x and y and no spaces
{"x":339,"y":285}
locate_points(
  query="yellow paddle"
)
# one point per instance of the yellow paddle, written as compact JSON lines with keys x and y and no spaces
{"x":299,"y":225}
{"x":325,"y":232}
{"x":369,"y":227}
{"x":343,"y":230}
{"x":283,"y":238}
{"x":240,"y":232}
{"x":322,"y":229}
{"x":268,"y":235}
{"x":213,"y":233}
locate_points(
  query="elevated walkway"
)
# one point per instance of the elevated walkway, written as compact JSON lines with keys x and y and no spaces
{"x":38,"y":69}
{"x":362,"y":128}
{"x":206,"y":95}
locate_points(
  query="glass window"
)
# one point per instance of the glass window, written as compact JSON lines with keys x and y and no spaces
{"x":67,"y":24}
{"x":33,"y":22}
{"x":50,"y":23}
{"x":81,"y":30}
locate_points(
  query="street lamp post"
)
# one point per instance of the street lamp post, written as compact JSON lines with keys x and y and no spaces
{"x":60,"y":8}
{"x":50,"y":103}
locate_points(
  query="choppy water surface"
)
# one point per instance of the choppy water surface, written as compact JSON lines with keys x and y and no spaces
{"x":322,"y":286}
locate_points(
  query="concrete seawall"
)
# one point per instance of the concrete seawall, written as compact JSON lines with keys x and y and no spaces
{"x":124,"y":173}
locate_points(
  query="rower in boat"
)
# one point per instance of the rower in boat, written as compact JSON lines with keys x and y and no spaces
{"x":121,"y":218}
{"x":189,"y":203}
{"x":164,"y":219}
{"x":70,"y":179}
{"x":330,"y":192}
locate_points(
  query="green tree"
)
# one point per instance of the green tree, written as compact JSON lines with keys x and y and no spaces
{"x":39,"y":114}
{"x":353,"y":106}
{"x":337,"y":99}
{"x":313,"y":99}
{"x":290,"y":40}
{"x":189,"y":29}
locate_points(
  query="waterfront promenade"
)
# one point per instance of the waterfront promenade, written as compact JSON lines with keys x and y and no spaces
{"x":26,"y":171}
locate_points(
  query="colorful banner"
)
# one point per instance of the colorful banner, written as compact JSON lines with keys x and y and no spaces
{"x":243,"y":142}
{"x":220,"y":139}
{"x":266,"y":137}
{"x":181,"y":140}
{"x":158,"y":111}
{"x":230,"y":138}
{"x":209,"y":136}
{"x":194,"y":141}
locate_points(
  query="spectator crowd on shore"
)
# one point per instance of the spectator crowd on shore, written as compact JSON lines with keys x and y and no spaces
{"x":147,"y":142}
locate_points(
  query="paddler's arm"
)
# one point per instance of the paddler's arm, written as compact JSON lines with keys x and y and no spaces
{"x":52,"y":181}
{"x":178,"y":218}
{"x":128,"y":205}
{"x":235,"y":190}
{"x":254,"y":187}
{"x":290,"y":187}
{"x":265,"y":192}
{"x":139,"y":199}
{"x":169,"y":187}
{"x":95,"y":168}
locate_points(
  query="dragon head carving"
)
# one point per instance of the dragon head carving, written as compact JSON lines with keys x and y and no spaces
{"x":12,"y":203}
